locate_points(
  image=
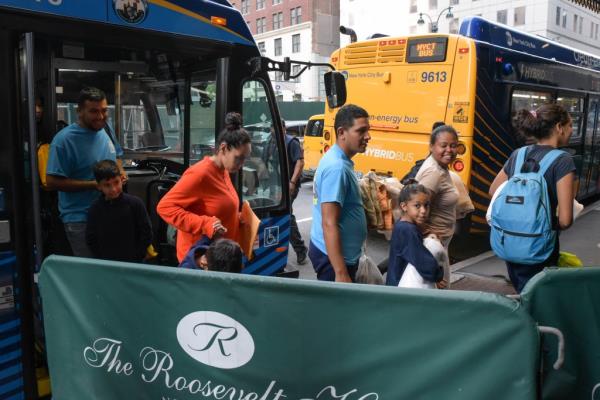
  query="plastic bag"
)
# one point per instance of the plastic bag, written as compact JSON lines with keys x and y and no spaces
{"x":569,"y":260}
{"x":412,"y":279}
{"x":368,"y":272}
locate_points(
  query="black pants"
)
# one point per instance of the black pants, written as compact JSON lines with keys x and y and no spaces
{"x":520,"y":274}
{"x":295,"y":237}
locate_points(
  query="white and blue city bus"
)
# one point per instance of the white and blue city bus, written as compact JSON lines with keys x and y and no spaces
{"x":171,"y":70}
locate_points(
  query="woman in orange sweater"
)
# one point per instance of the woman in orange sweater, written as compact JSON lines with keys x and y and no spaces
{"x":204,"y":200}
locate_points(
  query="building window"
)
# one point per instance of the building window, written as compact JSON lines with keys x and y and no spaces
{"x":502,"y":16}
{"x":295,"y":16}
{"x":260,"y":4}
{"x":275,"y":2}
{"x":432,"y":4}
{"x":296,"y":43}
{"x":558,"y":16}
{"x":296,"y":70}
{"x":580,"y":25}
{"x":262,"y":48}
{"x":564,"y":19}
{"x":413,"y":6}
{"x":245,"y":6}
{"x":278,"y":76}
{"x":591,"y":30}
{"x":277,"y":46}
{"x":297,"y":97}
{"x":412,"y":29}
{"x":575,"y":17}
{"x":596,"y":32}
{"x":453,"y":26}
{"x":520,"y":16}
{"x":261,"y":24}
{"x":277,"y":20}
{"x":453,"y":2}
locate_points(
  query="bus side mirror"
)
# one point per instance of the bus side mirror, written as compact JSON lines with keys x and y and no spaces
{"x":335,"y":88}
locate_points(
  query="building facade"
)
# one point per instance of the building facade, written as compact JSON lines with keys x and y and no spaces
{"x":304,"y":30}
{"x":565,"y":21}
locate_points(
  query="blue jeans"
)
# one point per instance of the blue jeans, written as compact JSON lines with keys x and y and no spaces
{"x":76,"y":235}
{"x":323,"y":267}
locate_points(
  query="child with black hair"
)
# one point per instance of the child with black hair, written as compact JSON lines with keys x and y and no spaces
{"x":406,"y":246}
{"x":118,"y":226}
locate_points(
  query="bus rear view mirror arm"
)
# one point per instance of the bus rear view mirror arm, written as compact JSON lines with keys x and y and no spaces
{"x":265,"y":64}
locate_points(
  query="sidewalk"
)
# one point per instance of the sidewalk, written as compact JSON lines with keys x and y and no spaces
{"x":487,"y":272}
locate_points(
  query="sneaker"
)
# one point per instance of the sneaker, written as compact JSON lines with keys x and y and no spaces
{"x":301,"y":257}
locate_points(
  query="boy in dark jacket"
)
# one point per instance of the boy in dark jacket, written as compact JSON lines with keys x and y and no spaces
{"x":118,"y":226}
{"x":219,"y":255}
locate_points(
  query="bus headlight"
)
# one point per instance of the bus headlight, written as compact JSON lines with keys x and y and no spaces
{"x":326,"y":135}
{"x":461,"y":149}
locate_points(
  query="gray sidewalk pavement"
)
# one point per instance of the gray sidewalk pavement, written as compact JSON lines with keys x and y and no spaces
{"x":582,"y":239}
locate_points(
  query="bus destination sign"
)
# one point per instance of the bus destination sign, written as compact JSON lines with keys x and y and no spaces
{"x":426,"y":50}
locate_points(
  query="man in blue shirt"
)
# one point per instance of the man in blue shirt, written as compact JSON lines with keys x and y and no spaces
{"x":339,"y":225}
{"x":73,"y":153}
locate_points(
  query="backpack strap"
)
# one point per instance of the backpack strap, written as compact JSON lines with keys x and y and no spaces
{"x":548,"y":159}
{"x":520,"y":160}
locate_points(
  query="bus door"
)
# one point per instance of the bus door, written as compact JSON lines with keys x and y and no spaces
{"x":20,"y":245}
{"x":574,"y":104}
{"x":264,"y":179}
{"x":314,"y":144}
{"x":590,"y":177}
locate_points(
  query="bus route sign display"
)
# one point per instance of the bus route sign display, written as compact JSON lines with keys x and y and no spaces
{"x":426,"y":50}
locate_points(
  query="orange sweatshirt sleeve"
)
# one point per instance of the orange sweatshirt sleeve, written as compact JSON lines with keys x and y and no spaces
{"x":175,"y":205}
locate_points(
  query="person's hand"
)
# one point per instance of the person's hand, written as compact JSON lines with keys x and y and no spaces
{"x":292,"y":187}
{"x":218,"y":229}
{"x":344,"y":277}
{"x":443,"y":284}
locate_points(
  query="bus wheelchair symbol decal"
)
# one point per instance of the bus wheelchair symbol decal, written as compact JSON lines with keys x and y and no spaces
{"x":271,"y":236}
{"x":132,"y":11}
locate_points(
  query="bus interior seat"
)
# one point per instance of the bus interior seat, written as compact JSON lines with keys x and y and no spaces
{"x":155,"y":190}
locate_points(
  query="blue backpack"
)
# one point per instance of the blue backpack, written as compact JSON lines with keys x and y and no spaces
{"x":521,"y":220}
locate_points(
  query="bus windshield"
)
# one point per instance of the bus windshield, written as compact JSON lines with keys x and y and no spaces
{"x":146,"y":95}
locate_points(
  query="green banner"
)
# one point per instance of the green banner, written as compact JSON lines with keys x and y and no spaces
{"x":125,"y":331}
{"x":568,"y":299}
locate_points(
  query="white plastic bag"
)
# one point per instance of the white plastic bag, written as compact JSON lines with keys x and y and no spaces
{"x":412,"y":279}
{"x":368,"y":272}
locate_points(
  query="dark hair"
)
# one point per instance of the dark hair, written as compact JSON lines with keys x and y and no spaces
{"x":437,"y":124}
{"x":90,"y":94}
{"x":540,"y":122}
{"x":441,"y":129}
{"x":224,"y":255}
{"x":346,"y":115}
{"x":106,"y":169}
{"x":410,"y":189}
{"x":233,"y":135}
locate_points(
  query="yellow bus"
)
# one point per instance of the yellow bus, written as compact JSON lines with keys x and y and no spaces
{"x":314,"y":144}
{"x":473,"y":81}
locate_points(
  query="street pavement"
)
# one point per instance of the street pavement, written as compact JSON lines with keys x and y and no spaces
{"x":582,"y":239}
{"x":377,"y":246}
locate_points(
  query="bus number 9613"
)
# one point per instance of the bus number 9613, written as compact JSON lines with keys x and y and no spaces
{"x":433,"y":76}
